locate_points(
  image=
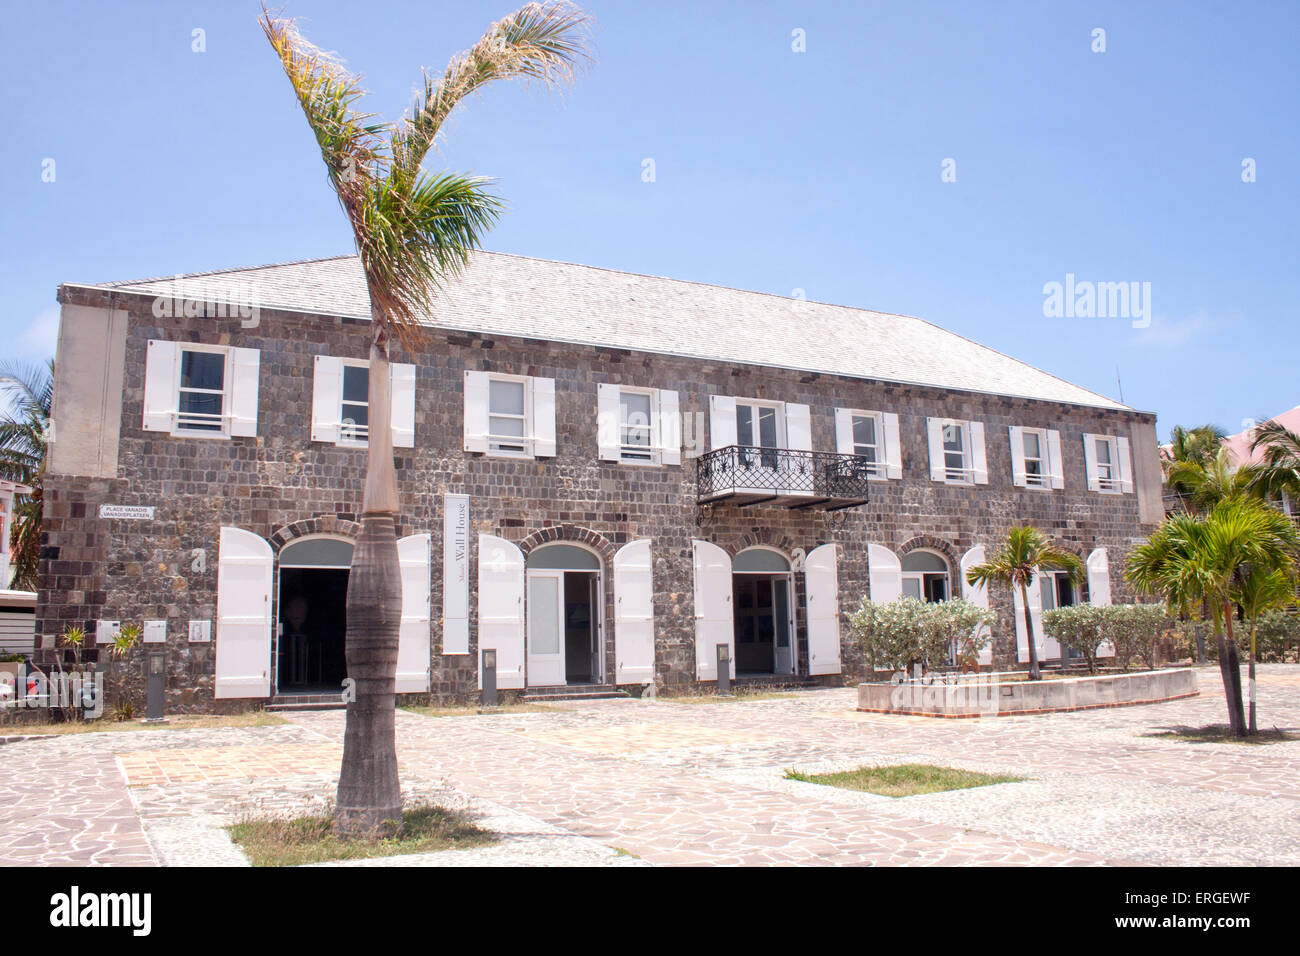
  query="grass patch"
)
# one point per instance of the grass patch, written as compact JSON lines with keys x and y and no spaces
{"x":1220,"y":734}
{"x":294,"y":842}
{"x":253,"y":718}
{"x":903,"y":780}
{"x":470,"y":710}
{"x":737,"y":694}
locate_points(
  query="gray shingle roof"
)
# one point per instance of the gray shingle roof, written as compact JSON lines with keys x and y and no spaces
{"x":558,"y":301}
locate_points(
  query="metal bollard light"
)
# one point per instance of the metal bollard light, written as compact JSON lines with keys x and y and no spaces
{"x":156,"y":676}
{"x":724,"y":670}
{"x":489,"y":677}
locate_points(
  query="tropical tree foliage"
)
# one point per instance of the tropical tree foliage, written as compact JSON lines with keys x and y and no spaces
{"x":1024,"y":553}
{"x":1203,"y":484}
{"x":1209,"y":560}
{"x":1278,"y":473}
{"x":24,"y":442}
{"x":414,"y":231}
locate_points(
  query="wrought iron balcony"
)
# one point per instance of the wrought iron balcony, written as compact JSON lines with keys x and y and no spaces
{"x":749,"y":475}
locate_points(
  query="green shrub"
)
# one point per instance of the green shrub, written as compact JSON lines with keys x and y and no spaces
{"x":1134,"y":630}
{"x":898,"y":633}
{"x":1077,"y":628}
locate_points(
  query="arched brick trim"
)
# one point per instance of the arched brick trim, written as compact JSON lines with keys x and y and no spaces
{"x":568,"y":532}
{"x":761,"y":536}
{"x":925,"y":542}
{"x":321,"y":524}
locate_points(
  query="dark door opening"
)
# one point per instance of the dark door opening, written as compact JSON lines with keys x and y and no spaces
{"x":313,"y":626}
{"x":764,"y":644}
{"x":581,"y":630}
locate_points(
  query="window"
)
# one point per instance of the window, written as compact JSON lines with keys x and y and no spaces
{"x":1035,"y":448}
{"x":925,"y":576}
{"x":508,"y":416}
{"x":758,"y":426}
{"x":201,"y":404}
{"x":872,"y":437}
{"x":868,"y":442}
{"x":354,"y":414}
{"x":1057,"y":590}
{"x":1107,"y":475}
{"x":956,"y":452}
{"x":635,"y":424}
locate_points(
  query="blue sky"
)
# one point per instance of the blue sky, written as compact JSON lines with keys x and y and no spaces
{"x":775,"y":170}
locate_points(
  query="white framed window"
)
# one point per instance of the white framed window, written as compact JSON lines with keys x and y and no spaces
{"x":1033,"y":443}
{"x":192,"y":390}
{"x":1036,"y":458}
{"x":340,"y":410}
{"x":957,"y":451}
{"x":509,"y":416}
{"x":925,"y":576}
{"x":1108,"y":462}
{"x":638,"y":426}
{"x":873,"y":436}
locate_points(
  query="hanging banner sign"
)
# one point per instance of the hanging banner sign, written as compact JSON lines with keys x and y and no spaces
{"x":455,"y":579}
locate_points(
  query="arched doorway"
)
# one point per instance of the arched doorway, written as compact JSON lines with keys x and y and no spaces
{"x":763,"y":602}
{"x":563,"y":629}
{"x":312,"y":628}
{"x":926,"y":576}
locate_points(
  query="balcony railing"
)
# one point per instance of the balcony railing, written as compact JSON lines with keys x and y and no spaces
{"x":751,"y":475}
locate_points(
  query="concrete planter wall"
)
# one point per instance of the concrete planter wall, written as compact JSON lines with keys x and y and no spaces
{"x":992,"y":695}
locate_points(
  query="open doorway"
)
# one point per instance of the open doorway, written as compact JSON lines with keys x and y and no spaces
{"x":762,"y":602}
{"x":563,"y":628}
{"x":313,"y":586}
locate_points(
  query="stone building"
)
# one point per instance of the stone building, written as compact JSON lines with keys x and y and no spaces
{"x":604,"y":476}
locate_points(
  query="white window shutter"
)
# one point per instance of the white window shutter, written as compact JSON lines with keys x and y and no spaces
{"x":670,"y":428}
{"x":1017,"y":456}
{"x":934,"y":432}
{"x":893,"y":447}
{"x":476,"y":411}
{"x":977,"y":594}
{"x":1099,"y":590}
{"x":979,"y":458}
{"x":1090,"y":460}
{"x":1036,"y":612}
{"x":326,"y":398}
{"x":401,"y":379}
{"x":543,"y":417}
{"x":243,"y":391}
{"x":822,"y":586}
{"x":722,"y":421}
{"x":161,"y":398}
{"x":884,"y":574}
{"x":634,"y":614}
{"x":501,"y":608}
{"x":413,"y":664}
{"x":1125,"y":465}
{"x":608,"y":422}
{"x":1055,"y":468}
{"x":798,"y":427}
{"x":713,"y":613}
{"x":843,"y":431}
{"x":243,"y":652}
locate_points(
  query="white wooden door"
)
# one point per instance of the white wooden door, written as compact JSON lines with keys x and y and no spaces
{"x":501,"y":608}
{"x":634,"y":637}
{"x":714,"y":624}
{"x":977,"y":594}
{"x":884,"y":574}
{"x":545,"y":628}
{"x":783,"y":620}
{"x":413,"y":635}
{"x":244,"y":574}
{"x":1099,"y":590}
{"x":1036,"y":612}
{"x":821,"y":581}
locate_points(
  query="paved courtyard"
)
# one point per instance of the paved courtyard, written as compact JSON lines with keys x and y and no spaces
{"x":626,"y":782}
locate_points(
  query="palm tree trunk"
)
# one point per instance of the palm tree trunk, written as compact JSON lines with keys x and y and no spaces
{"x":1230,"y":665}
{"x":1251,"y":680}
{"x":1034,"y":672}
{"x":369,"y":792}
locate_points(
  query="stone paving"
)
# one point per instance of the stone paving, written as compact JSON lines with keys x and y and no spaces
{"x":625,"y":782}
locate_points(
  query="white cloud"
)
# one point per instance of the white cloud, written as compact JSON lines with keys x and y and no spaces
{"x":1167,"y":332}
{"x":41,"y":336}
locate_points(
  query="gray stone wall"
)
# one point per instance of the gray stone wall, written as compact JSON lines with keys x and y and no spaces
{"x":280,"y":484}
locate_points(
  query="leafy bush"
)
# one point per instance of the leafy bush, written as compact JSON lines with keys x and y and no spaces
{"x":1134,"y":630}
{"x":898,"y":633}
{"x":1077,"y":628}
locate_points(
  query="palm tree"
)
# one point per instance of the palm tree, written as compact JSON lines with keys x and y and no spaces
{"x":24,"y":441}
{"x":414,"y":231}
{"x":1262,"y":589}
{"x":1023,"y":554}
{"x":1278,"y":475}
{"x":1194,"y":559}
{"x":1204,"y":483}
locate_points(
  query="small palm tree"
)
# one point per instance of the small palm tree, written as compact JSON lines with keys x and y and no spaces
{"x":24,"y":441}
{"x":1279,"y":472}
{"x":414,"y":231}
{"x":1024,"y":554}
{"x":1205,"y":483}
{"x":1261,"y":589}
{"x":1194,"y":559}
